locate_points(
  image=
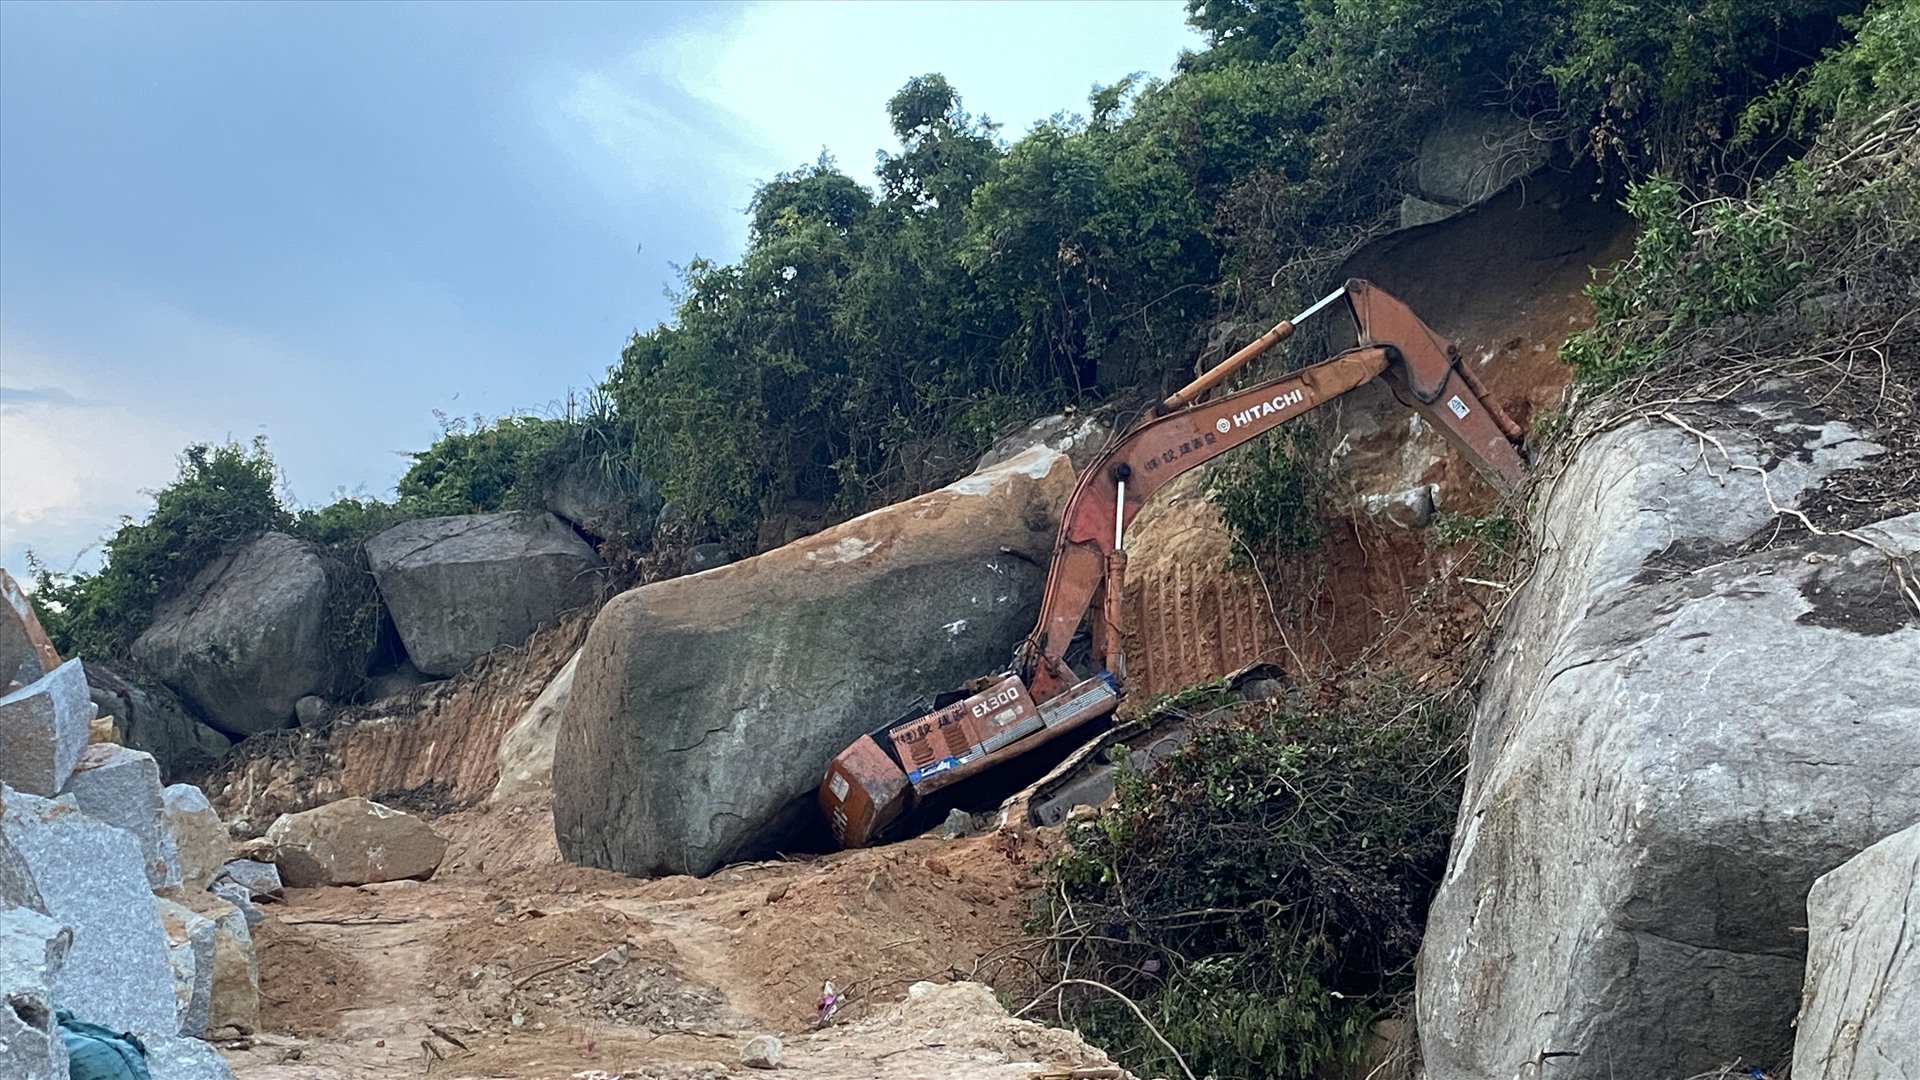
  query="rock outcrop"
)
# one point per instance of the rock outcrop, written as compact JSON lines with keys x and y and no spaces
{"x":247,"y":637}
{"x":353,"y":842}
{"x":1860,"y":1013}
{"x":458,"y":587}
{"x":705,"y":708}
{"x":43,"y":730}
{"x":1688,"y":722}
{"x":596,"y":503}
{"x":526,"y":750}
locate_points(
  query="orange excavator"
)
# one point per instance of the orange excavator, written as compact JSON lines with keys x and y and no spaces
{"x":872,"y":784}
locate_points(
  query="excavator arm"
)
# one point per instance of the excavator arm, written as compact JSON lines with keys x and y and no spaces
{"x":868,"y":786}
{"x":1088,"y":556}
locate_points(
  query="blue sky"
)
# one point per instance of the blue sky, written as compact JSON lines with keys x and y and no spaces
{"x":324,"y":222}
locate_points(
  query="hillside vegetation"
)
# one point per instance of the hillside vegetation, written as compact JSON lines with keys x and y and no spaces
{"x":1260,"y":900}
{"x":872,"y":339}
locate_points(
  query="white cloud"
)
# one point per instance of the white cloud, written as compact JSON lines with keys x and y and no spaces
{"x":705,"y":113}
{"x":72,"y":462}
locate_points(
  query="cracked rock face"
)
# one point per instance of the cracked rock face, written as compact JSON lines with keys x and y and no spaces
{"x":1682,"y":731}
{"x":705,"y":709}
{"x":458,"y":587}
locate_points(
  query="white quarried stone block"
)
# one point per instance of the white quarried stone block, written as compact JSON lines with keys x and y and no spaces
{"x":122,"y":788}
{"x":43,"y":729}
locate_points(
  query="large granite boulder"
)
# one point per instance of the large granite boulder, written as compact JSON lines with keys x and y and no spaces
{"x":458,"y":587}
{"x":353,"y":842}
{"x":25,"y":652}
{"x":1860,"y":1013}
{"x":526,"y":750}
{"x":1687,"y":722}
{"x":1468,"y":156}
{"x":152,"y":719}
{"x":43,"y":729}
{"x":705,"y":709}
{"x":247,"y":637}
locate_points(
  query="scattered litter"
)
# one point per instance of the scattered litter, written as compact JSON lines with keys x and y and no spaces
{"x":829,"y":1004}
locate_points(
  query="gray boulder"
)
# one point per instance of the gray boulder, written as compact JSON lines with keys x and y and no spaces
{"x":43,"y":729}
{"x":199,"y":838}
{"x":247,"y":637}
{"x":25,"y":652}
{"x":33,"y":948}
{"x":526,"y":750}
{"x":190,"y":940}
{"x":458,"y":587}
{"x":152,"y":719}
{"x":240,"y":897}
{"x":705,"y":709}
{"x":1860,"y":1013}
{"x":93,"y":879}
{"x":1475,"y":153}
{"x":1679,"y":734}
{"x":353,"y":842}
{"x":261,"y":880}
{"x":122,"y":788}
{"x":596,"y":503}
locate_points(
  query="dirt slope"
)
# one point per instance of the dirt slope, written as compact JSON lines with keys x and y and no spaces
{"x":351,"y":978}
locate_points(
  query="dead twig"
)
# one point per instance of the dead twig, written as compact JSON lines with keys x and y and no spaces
{"x":1139,"y":1015}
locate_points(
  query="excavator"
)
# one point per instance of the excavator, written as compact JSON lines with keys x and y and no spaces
{"x":870,"y":786}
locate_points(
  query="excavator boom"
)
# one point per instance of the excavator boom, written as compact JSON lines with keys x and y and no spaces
{"x":869,"y":785}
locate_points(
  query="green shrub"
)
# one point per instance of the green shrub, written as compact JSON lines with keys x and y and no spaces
{"x":1262,"y":893}
{"x":223,"y":495}
{"x":1269,"y":496}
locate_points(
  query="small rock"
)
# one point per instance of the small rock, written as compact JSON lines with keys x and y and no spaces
{"x":762,"y":1052}
{"x":612,"y":960}
{"x":103,"y":729}
{"x":198,"y":836}
{"x":310,"y":710}
{"x":240,"y":897}
{"x":707,"y":556}
{"x":959,"y":823}
{"x":260,"y":879}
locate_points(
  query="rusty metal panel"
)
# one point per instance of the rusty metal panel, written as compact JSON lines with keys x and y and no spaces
{"x":862,"y":793}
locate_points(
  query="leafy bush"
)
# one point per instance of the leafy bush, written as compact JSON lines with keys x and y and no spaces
{"x":223,"y":494}
{"x":1702,"y":260}
{"x":1269,"y":496}
{"x":1262,"y":893}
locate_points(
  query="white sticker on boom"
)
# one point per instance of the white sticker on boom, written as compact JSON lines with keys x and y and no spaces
{"x":1459,"y":407}
{"x":838,"y":785}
